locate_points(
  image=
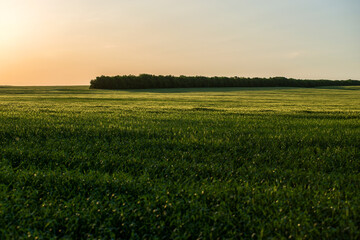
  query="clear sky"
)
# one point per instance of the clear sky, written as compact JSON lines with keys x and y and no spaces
{"x":68,"y":42}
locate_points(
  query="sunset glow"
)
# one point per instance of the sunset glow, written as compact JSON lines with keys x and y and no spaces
{"x":71,"y":42}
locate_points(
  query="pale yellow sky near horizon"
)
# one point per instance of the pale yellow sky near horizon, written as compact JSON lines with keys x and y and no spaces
{"x":62,"y":42}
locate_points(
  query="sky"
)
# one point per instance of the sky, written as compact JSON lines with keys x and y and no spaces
{"x":70,"y":42}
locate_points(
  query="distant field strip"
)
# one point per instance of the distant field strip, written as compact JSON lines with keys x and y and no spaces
{"x":182,"y":163}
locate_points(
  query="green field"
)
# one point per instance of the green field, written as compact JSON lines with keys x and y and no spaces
{"x":230,"y":163}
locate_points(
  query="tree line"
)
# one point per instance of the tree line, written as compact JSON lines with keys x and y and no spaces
{"x":146,"y":81}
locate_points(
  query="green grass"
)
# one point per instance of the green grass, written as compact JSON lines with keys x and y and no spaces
{"x":180,"y":163}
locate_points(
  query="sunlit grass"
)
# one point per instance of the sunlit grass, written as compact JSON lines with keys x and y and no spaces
{"x":180,"y":163}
